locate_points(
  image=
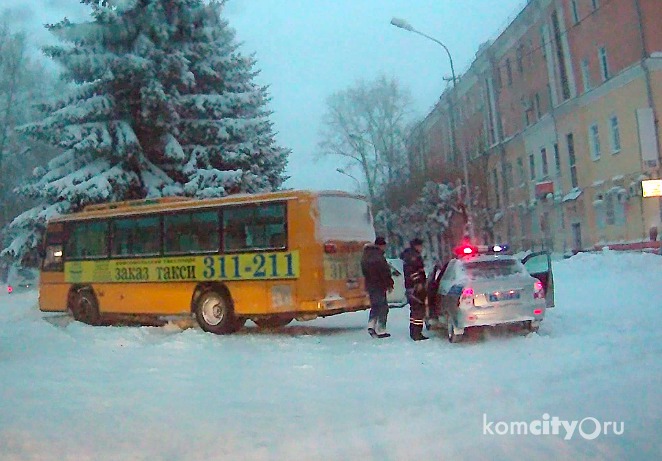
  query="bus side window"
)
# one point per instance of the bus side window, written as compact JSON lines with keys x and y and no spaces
{"x":255,"y":227}
{"x":278,"y":240}
{"x":136,"y":236}
{"x":235,"y":238}
{"x":205,"y":231}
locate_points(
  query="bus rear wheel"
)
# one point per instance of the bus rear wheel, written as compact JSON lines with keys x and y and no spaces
{"x":84,"y":307}
{"x":214,"y":313}
{"x":272,"y":321}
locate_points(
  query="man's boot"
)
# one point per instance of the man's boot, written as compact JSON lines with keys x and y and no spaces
{"x":415,"y":332}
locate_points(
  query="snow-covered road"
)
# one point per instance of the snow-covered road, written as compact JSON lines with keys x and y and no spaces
{"x":326,"y":390}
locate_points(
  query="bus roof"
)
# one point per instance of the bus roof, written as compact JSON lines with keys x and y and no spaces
{"x":162,"y":204}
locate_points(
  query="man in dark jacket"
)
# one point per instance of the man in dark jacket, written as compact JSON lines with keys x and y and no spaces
{"x":415,"y":287}
{"x":378,"y":281}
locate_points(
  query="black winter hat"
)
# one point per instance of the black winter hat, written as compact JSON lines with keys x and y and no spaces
{"x":416,"y":242}
{"x":380,"y":241}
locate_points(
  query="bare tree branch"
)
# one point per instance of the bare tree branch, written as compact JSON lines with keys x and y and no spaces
{"x":365,"y":124}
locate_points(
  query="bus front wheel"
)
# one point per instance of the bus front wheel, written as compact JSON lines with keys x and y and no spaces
{"x":84,"y":307}
{"x":214,"y":313}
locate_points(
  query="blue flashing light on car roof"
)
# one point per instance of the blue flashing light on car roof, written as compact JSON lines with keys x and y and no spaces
{"x":500,"y":248}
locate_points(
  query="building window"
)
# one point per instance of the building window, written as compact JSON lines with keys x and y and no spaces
{"x":560,"y":56}
{"x":619,"y":211}
{"x":557,"y":159}
{"x":595,"y":4}
{"x":594,"y":141}
{"x":520,"y":170}
{"x":543,"y":158}
{"x":576,"y":236}
{"x":575,"y":12}
{"x":509,"y":72}
{"x":615,"y":134}
{"x":604,"y":64}
{"x":599,"y":208}
{"x":570,"y":140}
{"x":586,"y":74}
{"x":536,"y":103}
{"x":520,"y":59}
{"x":532,"y":166}
{"x":509,"y":176}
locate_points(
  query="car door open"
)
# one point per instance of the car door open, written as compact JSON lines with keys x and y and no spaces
{"x":539,"y":265}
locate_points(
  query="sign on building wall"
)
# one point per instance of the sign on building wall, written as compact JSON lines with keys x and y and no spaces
{"x":652,"y":187}
{"x":647,"y":138}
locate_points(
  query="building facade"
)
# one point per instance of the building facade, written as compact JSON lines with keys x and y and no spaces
{"x":558,"y":118}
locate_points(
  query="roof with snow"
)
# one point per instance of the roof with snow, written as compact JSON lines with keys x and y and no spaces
{"x":155,"y":205}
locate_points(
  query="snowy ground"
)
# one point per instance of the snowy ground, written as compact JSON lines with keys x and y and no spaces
{"x":325,"y":390}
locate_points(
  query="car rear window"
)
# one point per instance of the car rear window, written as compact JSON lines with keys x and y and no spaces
{"x":494,"y":268}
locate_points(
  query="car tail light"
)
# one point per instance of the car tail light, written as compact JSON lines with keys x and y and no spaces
{"x":538,"y":290}
{"x":9,"y":289}
{"x":467,"y":296}
{"x":330,"y":248}
{"x":537,"y":312}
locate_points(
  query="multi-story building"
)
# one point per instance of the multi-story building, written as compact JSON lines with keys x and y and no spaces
{"x":558,"y":118}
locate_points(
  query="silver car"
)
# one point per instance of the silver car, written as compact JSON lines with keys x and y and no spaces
{"x":21,"y":279}
{"x":397,"y":297}
{"x":487,"y":288}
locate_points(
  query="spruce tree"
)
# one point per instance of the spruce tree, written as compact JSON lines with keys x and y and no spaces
{"x":164,"y":104}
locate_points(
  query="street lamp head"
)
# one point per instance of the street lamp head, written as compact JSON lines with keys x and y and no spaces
{"x":402,"y":24}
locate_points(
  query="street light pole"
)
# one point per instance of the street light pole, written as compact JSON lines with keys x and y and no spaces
{"x":358,"y":184}
{"x":402,"y":24}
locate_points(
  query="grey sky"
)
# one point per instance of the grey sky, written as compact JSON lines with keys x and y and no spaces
{"x":308,"y":49}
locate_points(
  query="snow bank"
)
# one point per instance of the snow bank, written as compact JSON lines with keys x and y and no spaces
{"x":325,"y":390}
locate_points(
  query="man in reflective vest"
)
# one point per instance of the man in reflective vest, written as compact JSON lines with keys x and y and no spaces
{"x":415,"y":286}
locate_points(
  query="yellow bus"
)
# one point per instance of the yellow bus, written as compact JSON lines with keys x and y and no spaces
{"x":270,"y":258}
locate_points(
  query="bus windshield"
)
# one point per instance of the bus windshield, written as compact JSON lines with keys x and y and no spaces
{"x":345,"y":218}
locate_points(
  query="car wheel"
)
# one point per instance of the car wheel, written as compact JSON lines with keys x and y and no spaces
{"x":215,"y":314}
{"x":532,"y":327}
{"x":84,"y":307}
{"x":452,"y":336}
{"x":272,"y":321}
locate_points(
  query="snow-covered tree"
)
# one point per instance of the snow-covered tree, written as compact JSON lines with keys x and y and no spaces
{"x":164,"y":105}
{"x":23,"y":83}
{"x":428,"y":217}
